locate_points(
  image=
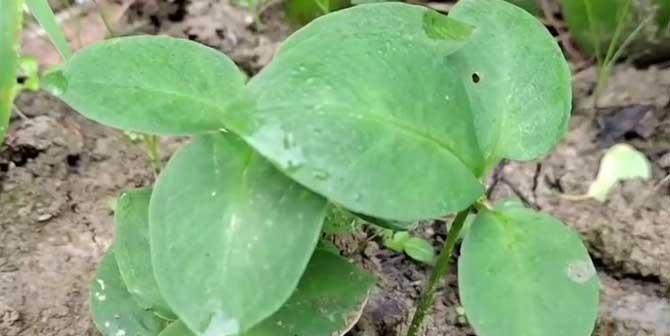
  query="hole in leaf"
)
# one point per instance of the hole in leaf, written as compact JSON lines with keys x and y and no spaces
{"x":475,"y":77}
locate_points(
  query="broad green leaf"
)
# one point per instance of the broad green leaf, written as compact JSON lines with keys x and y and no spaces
{"x":150,"y":84}
{"x":328,"y":302}
{"x":133,"y":252}
{"x":11,"y":17}
{"x":517,"y":79}
{"x":420,"y":250}
{"x":621,"y":162}
{"x":361,"y":106}
{"x":45,"y":16}
{"x":525,"y":273}
{"x":115,"y":312}
{"x":230,"y":234}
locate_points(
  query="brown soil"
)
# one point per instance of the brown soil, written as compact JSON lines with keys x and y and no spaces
{"x":59,"y":173}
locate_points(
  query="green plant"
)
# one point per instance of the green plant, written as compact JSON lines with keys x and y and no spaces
{"x":11,"y":18}
{"x":47,"y":19}
{"x":391,"y":111}
{"x":417,"y":248}
{"x":12,"y":65}
{"x":597,"y":24}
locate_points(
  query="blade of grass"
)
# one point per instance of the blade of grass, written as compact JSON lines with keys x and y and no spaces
{"x":614,"y":52}
{"x":622,"y":18}
{"x":595,"y":32}
{"x":11,"y":17}
{"x":45,"y":16}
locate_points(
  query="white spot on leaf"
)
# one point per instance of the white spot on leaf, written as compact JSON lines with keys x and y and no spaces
{"x":101,"y":283}
{"x":221,"y":325}
{"x":580,"y":271}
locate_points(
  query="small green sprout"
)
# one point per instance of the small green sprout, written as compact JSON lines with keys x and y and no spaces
{"x":417,"y":248}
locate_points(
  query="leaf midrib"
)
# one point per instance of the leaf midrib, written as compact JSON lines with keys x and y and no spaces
{"x":196,"y":99}
{"x":406,"y":128}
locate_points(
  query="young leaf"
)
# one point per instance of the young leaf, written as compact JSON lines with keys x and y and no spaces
{"x":328,"y":302}
{"x":45,"y":16}
{"x":396,"y":241}
{"x":115,"y":312}
{"x":621,"y":162}
{"x":420,"y":250}
{"x":133,"y":252}
{"x":150,"y":84}
{"x":517,"y":79}
{"x":230,"y":234}
{"x":356,"y":99}
{"x":11,"y":18}
{"x":525,"y":273}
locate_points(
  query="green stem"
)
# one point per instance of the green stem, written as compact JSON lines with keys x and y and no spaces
{"x":11,"y":16}
{"x":441,"y":268}
{"x":153,"y":151}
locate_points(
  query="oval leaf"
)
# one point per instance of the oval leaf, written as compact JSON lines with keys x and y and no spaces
{"x":517,"y":79}
{"x":361,"y":107}
{"x":328,"y":302}
{"x":525,"y":273}
{"x":115,"y":312}
{"x":133,"y":252}
{"x":230,"y":235}
{"x":420,"y":250}
{"x":150,"y":84}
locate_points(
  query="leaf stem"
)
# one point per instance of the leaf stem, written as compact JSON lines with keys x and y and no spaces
{"x":441,"y":268}
{"x":153,"y":151}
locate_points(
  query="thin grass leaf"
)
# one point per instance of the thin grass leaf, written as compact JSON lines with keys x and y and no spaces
{"x":594,"y":30}
{"x":11,"y":16}
{"x":45,"y":16}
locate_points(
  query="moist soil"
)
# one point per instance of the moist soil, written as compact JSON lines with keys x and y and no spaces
{"x":60,"y":175}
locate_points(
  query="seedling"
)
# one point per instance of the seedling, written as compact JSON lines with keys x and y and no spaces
{"x":11,"y":18}
{"x":391,"y":111}
{"x":606,"y":29}
{"x":417,"y":248}
{"x":11,"y":24}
